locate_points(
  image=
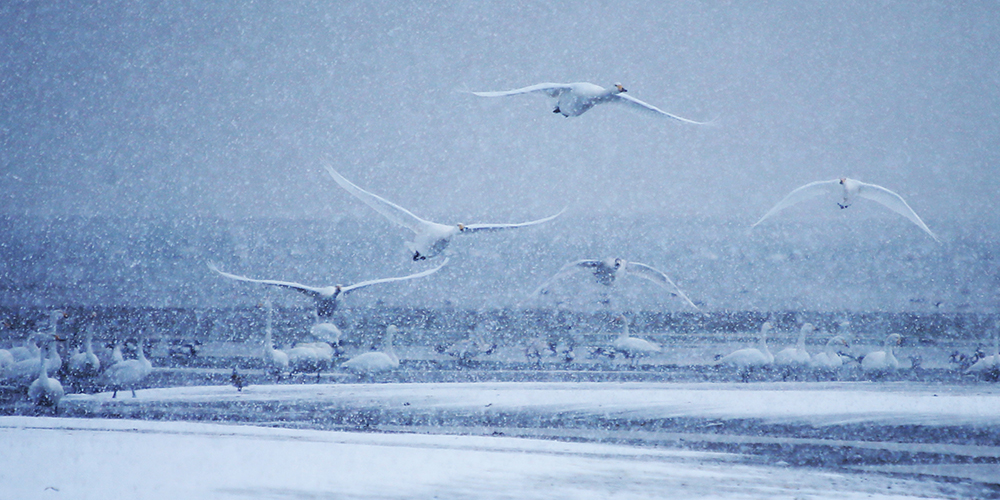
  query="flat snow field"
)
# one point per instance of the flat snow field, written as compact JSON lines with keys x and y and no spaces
{"x":484,"y":440}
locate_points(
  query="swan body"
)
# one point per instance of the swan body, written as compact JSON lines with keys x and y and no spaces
{"x":45,"y":391}
{"x":85,"y":364}
{"x":326,"y":297}
{"x":574,"y":99}
{"x":607,"y":271}
{"x":28,"y":351}
{"x":829,"y":358}
{"x":751,"y":356}
{"x":632,"y":347}
{"x":6,"y":359}
{"x":847,"y":192}
{"x":884,"y":359}
{"x":310,"y":357}
{"x":275,"y":361}
{"x":130,"y":373}
{"x":23,"y":372}
{"x":797,"y":355}
{"x":430,"y":238}
{"x":376,"y":361}
{"x":991,"y":362}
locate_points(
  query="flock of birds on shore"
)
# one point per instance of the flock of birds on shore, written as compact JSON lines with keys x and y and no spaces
{"x":432,"y":240}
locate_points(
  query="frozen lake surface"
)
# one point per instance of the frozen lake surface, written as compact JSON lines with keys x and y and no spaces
{"x":513,"y":440}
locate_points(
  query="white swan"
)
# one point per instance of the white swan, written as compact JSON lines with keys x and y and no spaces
{"x":326,"y":297}
{"x":23,"y":372}
{"x":991,"y":362}
{"x":28,"y":351}
{"x":310,"y":357}
{"x":608,"y":270}
{"x":45,"y":391}
{"x":751,"y":356}
{"x":797,"y":355}
{"x":574,"y":99}
{"x":830,"y":358}
{"x":6,"y":359}
{"x":632,"y":347}
{"x":884,"y":359}
{"x":847,"y":191}
{"x":275,"y":361}
{"x":130,"y":373}
{"x":431,"y":238}
{"x":85,"y":364}
{"x":325,"y":331}
{"x":376,"y":361}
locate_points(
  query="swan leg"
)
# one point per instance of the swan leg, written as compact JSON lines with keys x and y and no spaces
{"x":113,"y":396}
{"x":133,"y":393}
{"x":557,"y":110}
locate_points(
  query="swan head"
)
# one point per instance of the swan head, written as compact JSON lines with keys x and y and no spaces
{"x":619,"y":88}
{"x":618,"y":263}
{"x":808,"y":327}
{"x":461,"y":227}
{"x":843,"y":180}
{"x":838,"y":340}
{"x":766,"y":327}
{"x":894,"y":339}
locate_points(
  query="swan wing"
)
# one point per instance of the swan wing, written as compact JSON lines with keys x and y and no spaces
{"x":893,"y":202}
{"x":388,"y":209}
{"x":636,"y":104}
{"x":308,"y":290}
{"x":657,"y":276}
{"x":421,"y":274}
{"x":809,"y":191}
{"x":473,"y":228}
{"x":550,"y":89}
{"x":564,"y":271}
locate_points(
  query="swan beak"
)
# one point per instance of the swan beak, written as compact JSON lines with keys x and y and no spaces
{"x":620,"y":88}
{"x":461,"y":227}
{"x":843,"y":180}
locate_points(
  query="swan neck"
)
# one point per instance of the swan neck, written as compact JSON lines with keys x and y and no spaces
{"x":42,"y":368}
{"x":88,"y":342}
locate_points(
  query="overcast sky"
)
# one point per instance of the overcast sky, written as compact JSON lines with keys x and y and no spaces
{"x":200,"y":108}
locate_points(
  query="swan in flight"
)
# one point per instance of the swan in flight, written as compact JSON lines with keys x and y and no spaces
{"x":376,"y":361}
{"x":847,"y":191}
{"x":884,"y":359}
{"x":431,"y":238}
{"x":751,"y":356}
{"x":797,"y":355}
{"x":574,"y":99}
{"x":830,"y":358}
{"x":608,"y":270}
{"x":326,"y":297}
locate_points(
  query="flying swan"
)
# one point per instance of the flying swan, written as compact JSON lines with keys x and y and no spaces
{"x":574,"y":99}
{"x":431,"y":238}
{"x":608,"y":270}
{"x":848,"y":190}
{"x":326,"y":297}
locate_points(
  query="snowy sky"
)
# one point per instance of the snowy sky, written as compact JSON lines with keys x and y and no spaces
{"x":184,"y":109}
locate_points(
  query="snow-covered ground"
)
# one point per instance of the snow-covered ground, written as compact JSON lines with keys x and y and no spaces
{"x":514,"y":440}
{"x":77,"y":458}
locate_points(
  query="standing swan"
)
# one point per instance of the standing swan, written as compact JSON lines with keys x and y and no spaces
{"x":632,"y":347}
{"x":377,"y":361}
{"x":750,"y":356}
{"x":130,"y":373}
{"x":988,"y":363}
{"x":796,"y":355}
{"x":885,"y":359}
{"x":85,"y":364}
{"x":45,"y":391}
{"x":275,"y":361}
{"x":829,"y":358}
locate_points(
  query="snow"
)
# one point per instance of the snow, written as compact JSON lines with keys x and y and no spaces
{"x":74,"y":458}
